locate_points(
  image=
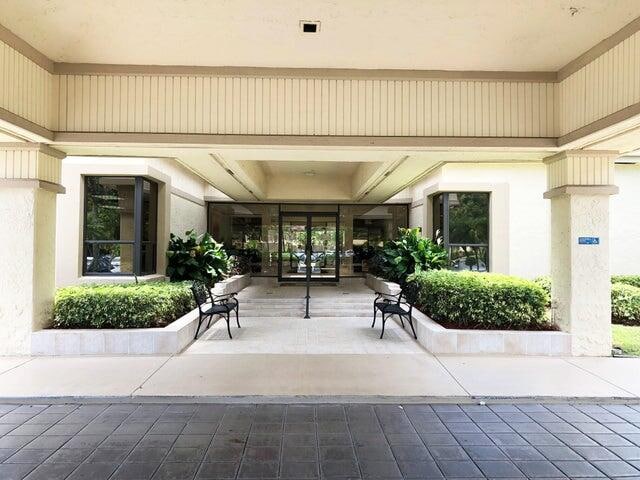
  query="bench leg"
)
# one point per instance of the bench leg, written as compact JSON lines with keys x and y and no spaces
{"x":228,"y":326}
{"x":412,"y":329}
{"x":237,"y":317}
{"x":375,"y":312}
{"x":401,"y":321}
{"x":384,"y":320}
{"x":198,"y":329}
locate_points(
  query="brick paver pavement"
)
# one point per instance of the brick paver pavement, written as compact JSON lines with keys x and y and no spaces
{"x":127,"y":441}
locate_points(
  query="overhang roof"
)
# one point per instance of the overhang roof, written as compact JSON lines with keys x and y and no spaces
{"x":503,"y":35}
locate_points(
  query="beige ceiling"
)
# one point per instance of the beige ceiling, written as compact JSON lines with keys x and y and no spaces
{"x":523,"y":35}
{"x":274,"y":168}
{"x":247,"y":178}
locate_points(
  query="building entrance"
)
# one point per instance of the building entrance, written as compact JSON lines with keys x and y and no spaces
{"x":313,"y":235}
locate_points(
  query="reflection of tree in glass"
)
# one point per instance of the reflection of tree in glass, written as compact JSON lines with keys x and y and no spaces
{"x":469,"y":224}
{"x":103,"y":215}
{"x":469,"y":218}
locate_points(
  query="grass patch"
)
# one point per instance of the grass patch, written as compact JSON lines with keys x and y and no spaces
{"x":627,"y":338}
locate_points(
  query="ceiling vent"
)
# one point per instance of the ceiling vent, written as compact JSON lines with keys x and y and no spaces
{"x":309,"y":26}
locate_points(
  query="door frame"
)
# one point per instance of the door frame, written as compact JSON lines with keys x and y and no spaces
{"x":308,"y":246}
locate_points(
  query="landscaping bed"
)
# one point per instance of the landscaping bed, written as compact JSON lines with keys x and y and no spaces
{"x":466,"y":312}
{"x":144,"y":305}
{"x":438,"y":339}
{"x":95,"y":321}
{"x":485,"y":301}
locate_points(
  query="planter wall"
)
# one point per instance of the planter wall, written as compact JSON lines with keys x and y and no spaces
{"x":378,"y":284}
{"x":133,"y":341}
{"x":437,"y":339}
{"x":232,"y":284}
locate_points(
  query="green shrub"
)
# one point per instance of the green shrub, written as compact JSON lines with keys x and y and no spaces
{"x":482,"y":300}
{"x":625,"y":297}
{"x":545,"y":283}
{"x":409,"y":254}
{"x":196,"y":257}
{"x":633,"y":280}
{"x":625,"y":304}
{"x":151,"y":304}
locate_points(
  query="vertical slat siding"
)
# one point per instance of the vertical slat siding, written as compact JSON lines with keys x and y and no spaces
{"x":29,"y":165}
{"x":305,"y":106}
{"x":26,"y":89}
{"x":309,"y":106}
{"x":587,"y":169}
{"x":606,"y":85}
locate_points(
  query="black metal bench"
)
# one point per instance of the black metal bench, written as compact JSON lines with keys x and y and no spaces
{"x":390,"y":305}
{"x":210,"y":305}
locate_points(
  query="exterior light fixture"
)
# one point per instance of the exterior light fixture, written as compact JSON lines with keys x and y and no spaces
{"x":310,"y":173}
{"x":310,"y":26}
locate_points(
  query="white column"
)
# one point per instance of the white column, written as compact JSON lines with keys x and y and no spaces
{"x":29,"y":183}
{"x":579,"y":186}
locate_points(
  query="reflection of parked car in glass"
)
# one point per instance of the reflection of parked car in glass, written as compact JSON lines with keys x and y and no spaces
{"x":103,"y":264}
{"x":468,"y":263}
{"x":318,"y":259}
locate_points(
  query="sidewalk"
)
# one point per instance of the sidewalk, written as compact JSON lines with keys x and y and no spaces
{"x":419,"y":375}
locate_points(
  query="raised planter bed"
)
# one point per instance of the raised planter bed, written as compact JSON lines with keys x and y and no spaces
{"x":378,"y":284}
{"x":437,"y":339}
{"x":132,"y":341}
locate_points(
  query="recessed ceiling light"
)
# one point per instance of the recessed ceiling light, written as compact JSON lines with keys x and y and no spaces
{"x":308,"y":26}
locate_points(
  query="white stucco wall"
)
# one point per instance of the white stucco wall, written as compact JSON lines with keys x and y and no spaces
{"x":187,"y":215}
{"x":625,"y":222}
{"x":526,"y":228}
{"x":529,"y":213}
{"x":523,"y":222}
{"x":181,"y":206}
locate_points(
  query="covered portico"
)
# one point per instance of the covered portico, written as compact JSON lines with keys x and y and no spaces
{"x":298,"y":125}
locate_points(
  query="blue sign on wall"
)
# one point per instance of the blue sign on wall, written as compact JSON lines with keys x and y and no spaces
{"x":588,"y":240}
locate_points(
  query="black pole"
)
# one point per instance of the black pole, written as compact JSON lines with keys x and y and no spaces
{"x":308,"y":266}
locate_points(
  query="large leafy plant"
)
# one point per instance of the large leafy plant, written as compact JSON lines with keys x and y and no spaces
{"x":196,"y":257}
{"x":401,"y":259}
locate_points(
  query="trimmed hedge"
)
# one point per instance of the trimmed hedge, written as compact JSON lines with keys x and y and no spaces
{"x":486,"y":301}
{"x":152,"y":304}
{"x":625,"y":297}
{"x":545,"y":283}
{"x":633,"y":280}
{"x":625,"y":304}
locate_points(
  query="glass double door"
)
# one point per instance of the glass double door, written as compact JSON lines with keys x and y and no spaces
{"x":308,"y":245}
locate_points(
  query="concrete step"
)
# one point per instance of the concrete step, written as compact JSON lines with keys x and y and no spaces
{"x":315,"y":301}
{"x":323,"y":312}
{"x":338,"y":300}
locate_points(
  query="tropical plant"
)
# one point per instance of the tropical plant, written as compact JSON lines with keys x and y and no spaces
{"x":401,"y":259}
{"x":196,"y":257}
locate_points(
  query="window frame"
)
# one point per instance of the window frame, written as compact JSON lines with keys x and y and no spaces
{"x":138,"y":219}
{"x":444,"y":225}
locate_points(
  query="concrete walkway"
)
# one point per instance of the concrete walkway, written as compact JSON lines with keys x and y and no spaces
{"x":410,"y":375}
{"x":334,"y":354}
